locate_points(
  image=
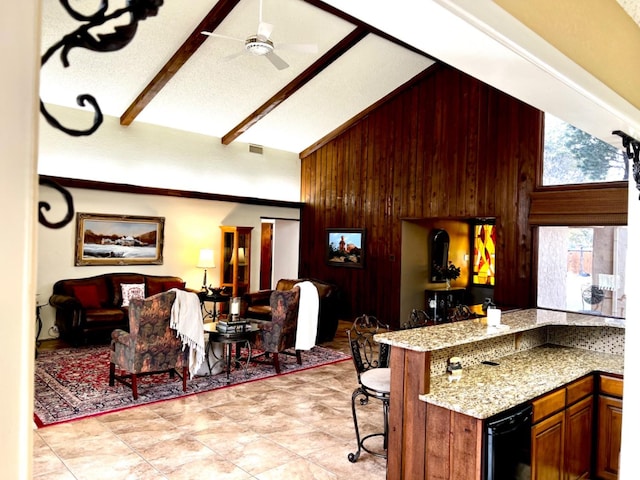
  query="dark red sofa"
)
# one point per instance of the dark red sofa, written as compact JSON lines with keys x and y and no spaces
{"x":89,"y":309}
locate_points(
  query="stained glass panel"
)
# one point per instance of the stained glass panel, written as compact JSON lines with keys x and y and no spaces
{"x":484,"y":254}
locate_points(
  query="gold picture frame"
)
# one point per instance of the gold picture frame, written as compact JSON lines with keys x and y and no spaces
{"x":103,"y":239}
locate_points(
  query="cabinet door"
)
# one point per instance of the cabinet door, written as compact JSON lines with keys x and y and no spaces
{"x":235,"y":259}
{"x":609,"y":433}
{"x":547,"y":448}
{"x":578,"y":434}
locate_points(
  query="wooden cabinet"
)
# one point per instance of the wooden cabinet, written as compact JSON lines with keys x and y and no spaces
{"x":235,"y":259}
{"x":547,"y":448}
{"x":562,"y":431}
{"x":578,"y":439}
{"x":609,"y":427}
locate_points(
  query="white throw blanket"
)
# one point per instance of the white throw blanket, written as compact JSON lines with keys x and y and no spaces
{"x":186,"y":319}
{"x":307,"y":316}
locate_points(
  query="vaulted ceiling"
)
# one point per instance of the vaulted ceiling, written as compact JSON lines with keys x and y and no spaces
{"x":172,"y":75}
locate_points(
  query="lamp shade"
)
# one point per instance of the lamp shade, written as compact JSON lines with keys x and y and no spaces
{"x":206,"y":258}
{"x":242,"y":258}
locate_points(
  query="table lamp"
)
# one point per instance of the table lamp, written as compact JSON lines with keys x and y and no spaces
{"x":205,"y":261}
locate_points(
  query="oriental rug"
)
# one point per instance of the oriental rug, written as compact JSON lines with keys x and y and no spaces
{"x":73,"y":383}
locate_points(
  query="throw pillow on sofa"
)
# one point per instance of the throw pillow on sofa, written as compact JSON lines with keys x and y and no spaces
{"x":87,"y":295}
{"x":131,"y":291}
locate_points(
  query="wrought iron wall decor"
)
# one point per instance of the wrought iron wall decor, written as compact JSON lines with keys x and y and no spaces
{"x":44,"y":206}
{"x":81,"y":37}
{"x":632,"y":147}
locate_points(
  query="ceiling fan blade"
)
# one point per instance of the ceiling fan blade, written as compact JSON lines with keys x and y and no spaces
{"x":298,"y":47}
{"x":277,"y":62}
{"x":264,"y":30}
{"x":213,"y":34}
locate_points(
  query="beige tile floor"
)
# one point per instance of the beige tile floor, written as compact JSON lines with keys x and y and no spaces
{"x":296,"y":426}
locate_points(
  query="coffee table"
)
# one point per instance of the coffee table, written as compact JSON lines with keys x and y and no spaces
{"x":229,"y":339}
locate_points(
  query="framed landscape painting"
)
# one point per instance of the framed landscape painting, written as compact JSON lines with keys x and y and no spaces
{"x":345,"y":247}
{"x":118,"y":239}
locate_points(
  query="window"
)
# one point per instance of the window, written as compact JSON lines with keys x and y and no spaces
{"x":582,"y":269}
{"x":572,"y":156}
{"x":484,"y":254}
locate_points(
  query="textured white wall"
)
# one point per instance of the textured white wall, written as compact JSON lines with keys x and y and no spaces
{"x":146,"y":155}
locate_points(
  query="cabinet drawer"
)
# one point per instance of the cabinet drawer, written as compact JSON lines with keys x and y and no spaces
{"x":611,"y":386}
{"x":579,"y":389}
{"x":550,"y":403}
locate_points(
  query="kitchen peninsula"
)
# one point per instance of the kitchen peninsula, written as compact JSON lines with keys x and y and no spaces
{"x":436,"y":426}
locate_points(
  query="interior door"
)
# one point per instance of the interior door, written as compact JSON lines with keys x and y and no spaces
{"x":266,"y":256}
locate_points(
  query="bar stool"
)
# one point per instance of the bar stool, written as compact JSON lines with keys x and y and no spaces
{"x":374,"y":377}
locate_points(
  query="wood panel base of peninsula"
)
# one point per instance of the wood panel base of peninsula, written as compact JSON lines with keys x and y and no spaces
{"x":427,"y":441}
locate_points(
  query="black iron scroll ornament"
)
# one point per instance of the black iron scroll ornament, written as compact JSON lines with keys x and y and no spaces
{"x":122,"y":35}
{"x":632,"y":147}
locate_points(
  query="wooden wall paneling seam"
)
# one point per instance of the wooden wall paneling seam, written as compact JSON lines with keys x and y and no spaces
{"x":427,"y":145}
{"x":438,"y":134}
{"x":375,"y":216}
{"x":340,"y":178}
{"x":486,"y":168}
{"x":505,"y":195}
{"x":471,"y":168}
{"x":527,"y":175}
{"x":413,"y":131}
{"x":459,"y":155}
{"x":333,"y":158}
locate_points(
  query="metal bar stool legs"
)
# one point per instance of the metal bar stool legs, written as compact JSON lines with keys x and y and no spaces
{"x":364,"y":400}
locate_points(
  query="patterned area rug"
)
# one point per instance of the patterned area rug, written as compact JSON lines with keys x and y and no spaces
{"x":73,"y":383}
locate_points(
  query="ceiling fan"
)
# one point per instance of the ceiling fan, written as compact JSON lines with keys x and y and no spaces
{"x":261,"y":45}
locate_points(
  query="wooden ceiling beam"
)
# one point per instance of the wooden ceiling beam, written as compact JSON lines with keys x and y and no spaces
{"x":213,"y":19}
{"x":314,"y":69}
{"x":356,"y":21}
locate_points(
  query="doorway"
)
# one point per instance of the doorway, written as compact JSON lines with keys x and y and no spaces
{"x":279,"y":251}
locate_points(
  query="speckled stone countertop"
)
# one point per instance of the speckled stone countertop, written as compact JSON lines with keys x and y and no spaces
{"x":437,"y":337}
{"x":486,"y":390}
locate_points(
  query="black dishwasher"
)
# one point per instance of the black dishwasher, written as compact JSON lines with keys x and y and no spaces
{"x":507,"y":445}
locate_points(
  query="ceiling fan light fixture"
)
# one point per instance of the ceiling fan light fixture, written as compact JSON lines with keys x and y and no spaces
{"x":258,"y":46}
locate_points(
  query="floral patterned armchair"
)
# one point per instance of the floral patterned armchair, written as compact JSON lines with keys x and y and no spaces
{"x":151,"y":345}
{"x":279,"y":335}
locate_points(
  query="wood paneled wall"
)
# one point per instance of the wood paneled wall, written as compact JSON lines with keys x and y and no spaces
{"x":448,"y":146}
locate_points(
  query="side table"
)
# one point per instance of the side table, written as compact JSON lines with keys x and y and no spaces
{"x":229,"y":339}
{"x":215,"y":299}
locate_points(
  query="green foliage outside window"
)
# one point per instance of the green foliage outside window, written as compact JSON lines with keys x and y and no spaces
{"x":572,"y":156}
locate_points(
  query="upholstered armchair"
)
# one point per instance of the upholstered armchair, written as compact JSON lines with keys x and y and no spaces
{"x":150,"y":346}
{"x":278,"y":336}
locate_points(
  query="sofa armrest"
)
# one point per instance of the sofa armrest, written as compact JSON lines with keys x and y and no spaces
{"x":260,"y":297}
{"x":64,"y":302}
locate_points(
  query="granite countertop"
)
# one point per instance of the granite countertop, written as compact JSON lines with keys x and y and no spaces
{"x":486,"y":390}
{"x":446,"y":335}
